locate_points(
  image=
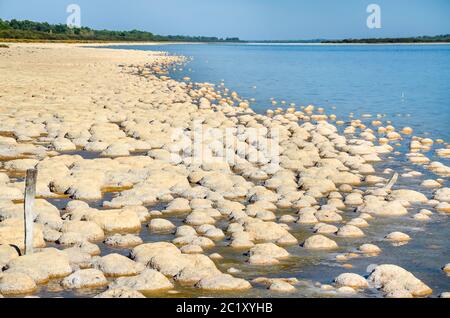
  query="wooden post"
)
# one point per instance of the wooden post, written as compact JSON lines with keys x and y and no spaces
{"x":30,"y":193}
{"x":391,"y":182}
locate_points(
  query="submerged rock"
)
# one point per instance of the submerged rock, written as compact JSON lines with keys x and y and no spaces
{"x":120,"y":292}
{"x":319,"y":242}
{"x":123,"y":241}
{"x":160,"y":225}
{"x":398,"y":237}
{"x":85,"y":278}
{"x":350,"y":231}
{"x":408,"y":195}
{"x":223,"y":282}
{"x":351,"y":280}
{"x":369,"y":249}
{"x":114,"y":265}
{"x":148,"y":281}
{"x":281,"y":287}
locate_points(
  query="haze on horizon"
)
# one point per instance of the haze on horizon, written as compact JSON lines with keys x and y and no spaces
{"x":246,"y":19}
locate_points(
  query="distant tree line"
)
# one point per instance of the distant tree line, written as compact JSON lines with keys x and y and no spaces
{"x":30,"y":30}
{"x":418,"y":39}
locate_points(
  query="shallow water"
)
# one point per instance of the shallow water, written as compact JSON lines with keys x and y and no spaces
{"x":396,"y":80}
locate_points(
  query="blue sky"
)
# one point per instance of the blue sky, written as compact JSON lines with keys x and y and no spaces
{"x":247,"y":19}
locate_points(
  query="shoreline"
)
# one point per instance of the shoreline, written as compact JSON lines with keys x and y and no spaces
{"x":107,"y":128}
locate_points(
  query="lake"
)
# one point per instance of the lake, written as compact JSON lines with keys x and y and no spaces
{"x":408,"y":83}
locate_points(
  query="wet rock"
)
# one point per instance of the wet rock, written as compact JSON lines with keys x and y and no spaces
{"x":120,"y":292}
{"x":223,"y":282}
{"x":383,"y":208}
{"x":51,"y":235}
{"x":421,"y":217}
{"x":7,"y":253}
{"x":346,"y":290}
{"x":350,"y":231}
{"x":191,"y":249}
{"x":369,"y":249}
{"x":76,"y":204}
{"x":16,"y":283}
{"x":11,"y":232}
{"x":63,"y":144}
{"x":307,"y":217}
{"x":201,"y":241}
{"x":326,"y":287}
{"x":88,"y":247}
{"x":197,"y":267}
{"x":398,"y":237}
{"x":281,"y":286}
{"x":328,"y":216}
{"x":396,"y":281}
{"x":442,"y":194}
{"x":160,"y":225}
{"x":351,"y":280}
{"x":114,"y":265}
{"x":85,"y":278}
{"x":287,"y":219}
{"x":90,"y":230}
{"x":408,"y":195}
{"x":359,"y":222}
{"x":41,"y":266}
{"x":148,"y":281}
{"x":78,"y":258}
{"x":71,"y":238}
{"x":214,"y":234}
{"x":322,"y":228}
{"x":185,"y":230}
{"x":178,"y":205}
{"x":20,"y":164}
{"x":269,"y":232}
{"x":354,"y":199}
{"x":199,"y":218}
{"x":123,"y":241}
{"x":215,"y":256}
{"x":319,"y":242}
{"x":443,"y":207}
{"x":266,"y":253}
{"x":10,"y":193}
{"x":145,"y":252}
{"x":431,"y":184}
{"x":241,"y":243}
{"x":122,"y":220}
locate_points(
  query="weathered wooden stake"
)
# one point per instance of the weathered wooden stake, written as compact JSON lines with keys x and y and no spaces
{"x":391,"y":182}
{"x":30,"y":193}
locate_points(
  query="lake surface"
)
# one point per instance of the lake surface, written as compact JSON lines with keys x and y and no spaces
{"x":409,"y":84}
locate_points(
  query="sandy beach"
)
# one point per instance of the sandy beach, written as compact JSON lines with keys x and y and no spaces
{"x":121,"y":149}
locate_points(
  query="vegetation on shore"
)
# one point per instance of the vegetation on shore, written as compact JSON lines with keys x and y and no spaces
{"x":419,"y":39}
{"x":43,"y":31}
